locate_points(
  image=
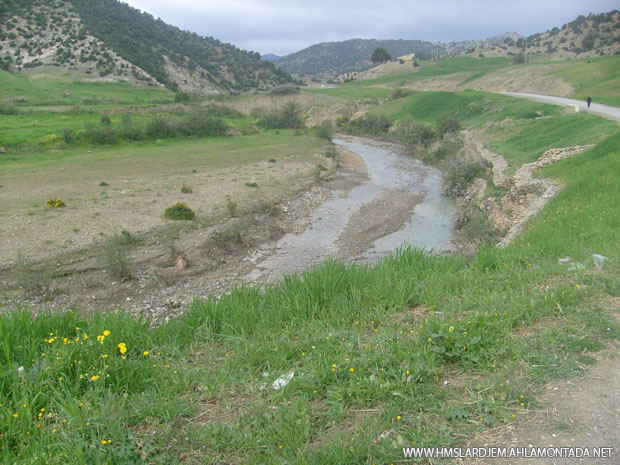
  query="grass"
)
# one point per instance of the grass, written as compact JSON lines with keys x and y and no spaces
{"x":213,"y":152}
{"x":468,"y":107}
{"x":52,"y":88}
{"x":428,"y":348}
{"x":598,"y":78}
{"x":528,"y":139}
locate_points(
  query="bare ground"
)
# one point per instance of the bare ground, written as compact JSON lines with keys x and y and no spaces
{"x":171,"y":268}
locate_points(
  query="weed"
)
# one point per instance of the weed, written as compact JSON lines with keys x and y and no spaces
{"x":33,"y":279}
{"x":325,"y":130}
{"x":232,"y":208}
{"x":113,"y":257}
{"x":230,"y":237}
{"x":179,"y":211}
{"x":331,"y":152}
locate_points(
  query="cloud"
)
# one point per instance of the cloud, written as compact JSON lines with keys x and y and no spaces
{"x":282,"y":27}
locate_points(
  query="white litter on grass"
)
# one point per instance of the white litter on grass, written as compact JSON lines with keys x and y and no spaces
{"x":599,"y":261}
{"x":283,"y":380}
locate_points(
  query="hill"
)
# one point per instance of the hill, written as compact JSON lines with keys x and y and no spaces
{"x":270,"y":57}
{"x":112,"y":40}
{"x":333,"y":58}
{"x":585,"y":37}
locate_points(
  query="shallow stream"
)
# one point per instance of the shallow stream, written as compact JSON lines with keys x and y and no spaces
{"x":426,"y":224}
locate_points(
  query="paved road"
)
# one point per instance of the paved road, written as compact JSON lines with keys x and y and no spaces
{"x":595,"y":108}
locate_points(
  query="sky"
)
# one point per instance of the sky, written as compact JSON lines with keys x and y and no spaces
{"x":287,"y":26}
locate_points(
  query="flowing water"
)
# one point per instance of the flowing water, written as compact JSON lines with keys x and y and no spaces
{"x":428,"y":224}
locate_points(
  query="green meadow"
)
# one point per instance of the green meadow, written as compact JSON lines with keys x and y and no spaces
{"x":418,"y":349}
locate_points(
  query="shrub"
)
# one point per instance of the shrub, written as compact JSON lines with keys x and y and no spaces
{"x":370,"y":124}
{"x":288,"y":117}
{"x":475,"y":227}
{"x":230,"y":237}
{"x":55,"y":203}
{"x":67,"y":135}
{"x":286,"y":89}
{"x":105,"y":119}
{"x":8,"y":109}
{"x":460,"y":173}
{"x":399,"y":93}
{"x":411,"y":134}
{"x":200,"y":123}
{"x":325,"y":130}
{"x":232,"y":208}
{"x":160,"y":127}
{"x":100,"y":135}
{"x":447,"y":125}
{"x":113,"y":256}
{"x":179,"y":211}
{"x":33,"y":279}
{"x":448,"y":147}
{"x":130,"y":131}
{"x":181,"y":97}
{"x":331,"y":152}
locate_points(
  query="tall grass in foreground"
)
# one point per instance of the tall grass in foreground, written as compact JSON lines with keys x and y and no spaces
{"x":418,"y":349}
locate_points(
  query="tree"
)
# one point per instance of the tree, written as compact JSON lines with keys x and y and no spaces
{"x":380,"y":55}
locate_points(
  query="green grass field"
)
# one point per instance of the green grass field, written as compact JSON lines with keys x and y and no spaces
{"x":56,"y":88}
{"x":418,"y":349}
{"x":598,"y":78}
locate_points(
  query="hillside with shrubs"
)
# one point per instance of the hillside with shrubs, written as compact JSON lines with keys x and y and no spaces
{"x":107,"y":39}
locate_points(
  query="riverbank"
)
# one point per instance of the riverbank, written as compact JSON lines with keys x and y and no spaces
{"x":344,"y":364}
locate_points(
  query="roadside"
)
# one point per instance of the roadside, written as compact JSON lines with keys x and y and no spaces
{"x":583,"y":412}
{"x":598,"y":109}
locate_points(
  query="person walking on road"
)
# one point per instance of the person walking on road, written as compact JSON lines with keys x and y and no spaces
{"x":589,"y":101}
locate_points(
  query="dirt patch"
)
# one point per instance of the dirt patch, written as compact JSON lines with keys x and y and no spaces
{"x":171,"y":267}
{"x":578,"y":413}
{"x":386,"y":213}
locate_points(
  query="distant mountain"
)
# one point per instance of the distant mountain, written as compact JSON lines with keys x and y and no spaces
{"x":270,"y":57}
{"x":108,"y":39}
{"x":334,"y":58}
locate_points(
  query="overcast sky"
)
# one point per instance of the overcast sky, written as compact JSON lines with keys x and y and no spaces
{"x":286,"y":26}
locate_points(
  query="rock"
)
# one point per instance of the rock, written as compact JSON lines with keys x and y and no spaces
{"x":599,"y":261}
{"x":564,"y":260}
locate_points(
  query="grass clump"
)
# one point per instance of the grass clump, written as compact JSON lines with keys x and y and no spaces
{"x":186,"y":189}
{"x":33,"y":279}
{"x":55,"y":203}
{"x":251,"y":184}
{"x":179,"y":211}
{"x":230,"y":237}
{"x":113,"y":255}
{"x":325,"y":130}
{"x":331,"y":152}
